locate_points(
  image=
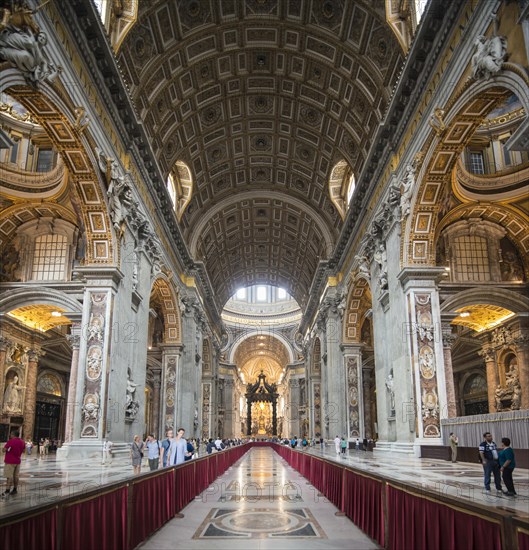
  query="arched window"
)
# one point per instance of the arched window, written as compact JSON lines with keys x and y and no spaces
{"x":341,"y":186}
{"x":180,"y":187}
{"x":171,"y":188}
{"x":49,"y":258}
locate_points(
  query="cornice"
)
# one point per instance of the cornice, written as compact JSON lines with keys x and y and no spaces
{"x":420,"y":63}
{"x":91,"y":38}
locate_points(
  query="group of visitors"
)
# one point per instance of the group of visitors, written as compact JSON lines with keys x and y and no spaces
{"x":341,"y":444}
{"x":44,"y":446}
{"x":497,"y":463}
{"x":172,"y":450}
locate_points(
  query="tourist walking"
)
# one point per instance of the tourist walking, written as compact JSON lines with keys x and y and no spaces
{"x":454,"y":442}
{"x":343,"y":445}
{"x":178,"y":448}
{"x":107,"y":451}
{"x":364,"y":444}
{"x":136,"y":454}
{"x":337,"y":444}
{"x":154,"y":449}
{"x":41,"y":447}
{"x":13,"y":450}
{"x":166,"y":446}
{"x":507,"y":465}
{"x":29,"y":446}
{"x":489,"y":459}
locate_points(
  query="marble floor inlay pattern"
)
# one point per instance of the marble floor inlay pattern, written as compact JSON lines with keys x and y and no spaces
{"x":259,"y":523}
{"x":260,"y":503}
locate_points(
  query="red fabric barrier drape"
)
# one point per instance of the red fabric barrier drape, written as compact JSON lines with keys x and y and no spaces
{"x":316,"y":474}
{"x":332,"y":474}
{"x":523,"y":541}
{"x":99,"y":523}
{"x":153,"y":504}
{"x":202,"y":474}
{"x":415,"y":522}
{"x":38,"y":531}
{"x":185,"y":485}
{"x":363,"y":504}
{"x":304,"y":465}
{"x":212,"y":467}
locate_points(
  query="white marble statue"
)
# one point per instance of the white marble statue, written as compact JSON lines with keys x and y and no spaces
{"x":489,"y":56}
{"x":390,"y":388}
{"x":363,"y":266}
{"x":13,"y":397}
{"x":25,"y":50}
{"x":381,"y":258}
{"x":407,"y":191}
{"x":132,"y":406}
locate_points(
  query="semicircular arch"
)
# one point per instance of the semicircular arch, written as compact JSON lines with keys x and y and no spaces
{"x":358,"y":302}
{"x":463,"y":114}
{"x":168,"y":300}
{"x":59,"y":121}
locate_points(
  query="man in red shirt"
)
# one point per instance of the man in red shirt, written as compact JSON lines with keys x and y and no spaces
{"x":13,"y":450}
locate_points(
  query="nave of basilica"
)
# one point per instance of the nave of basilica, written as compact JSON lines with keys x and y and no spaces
{"x":266,"y":219}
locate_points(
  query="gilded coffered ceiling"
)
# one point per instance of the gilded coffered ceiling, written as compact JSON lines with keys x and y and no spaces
{"x":261,"y":346}
{"x":261,"y":98}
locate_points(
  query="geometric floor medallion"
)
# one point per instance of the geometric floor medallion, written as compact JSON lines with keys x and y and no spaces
{"x":259,"y":523}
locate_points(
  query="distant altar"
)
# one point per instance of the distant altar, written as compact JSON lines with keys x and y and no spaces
{"x":261,"y":403}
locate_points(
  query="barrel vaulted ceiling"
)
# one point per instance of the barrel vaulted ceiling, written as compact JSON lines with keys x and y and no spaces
{"x":261,"y":98}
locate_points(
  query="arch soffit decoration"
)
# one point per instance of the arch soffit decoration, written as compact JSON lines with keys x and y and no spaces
{"x":261,"y":94}
{"x":464,"y":113}
{"x":280,"y":342}
{"x":47,"y":108}
{"x":228,"y":262}
{"x":18,"y":214}
{"x":500,"y":297}
{"x":20,"y":297}
{"x":359,"y":294}
{"x":163,"y":289}
{"x":509,"y":217}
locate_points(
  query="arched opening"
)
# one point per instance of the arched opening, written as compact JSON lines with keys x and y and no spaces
{"x":341,"y":186}
{"x":180,"y":187}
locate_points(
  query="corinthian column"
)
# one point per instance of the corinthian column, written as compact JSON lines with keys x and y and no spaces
{"x":30,"y":399}
{"x":492,"y":374}
{"x":74,"y":339}
{"x":448,"y":341}
{"x":5,"y":343}
{"x":366,"y":387}
{"x":157,"y":382}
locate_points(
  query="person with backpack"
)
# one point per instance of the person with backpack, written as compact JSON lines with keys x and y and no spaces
{"x":343,"y":445}
{"x":166,"y":445}
{"x":488,"y":453}
{"x":154,"y":450}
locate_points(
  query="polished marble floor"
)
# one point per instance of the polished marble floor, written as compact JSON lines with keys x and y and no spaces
{"x":260,"y":503}
{"x":43,"y":481}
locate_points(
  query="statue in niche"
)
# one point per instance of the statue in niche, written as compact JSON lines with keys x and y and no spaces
{"x":407,"y":191}
{"x":381,"y":258}
{"x":13,"y":397}
{"x":511,"y":391}
{"x":489,"y":56}
{"x":390,"y":388}
{"x":22,"y":43}
{"x":132,"y":406}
